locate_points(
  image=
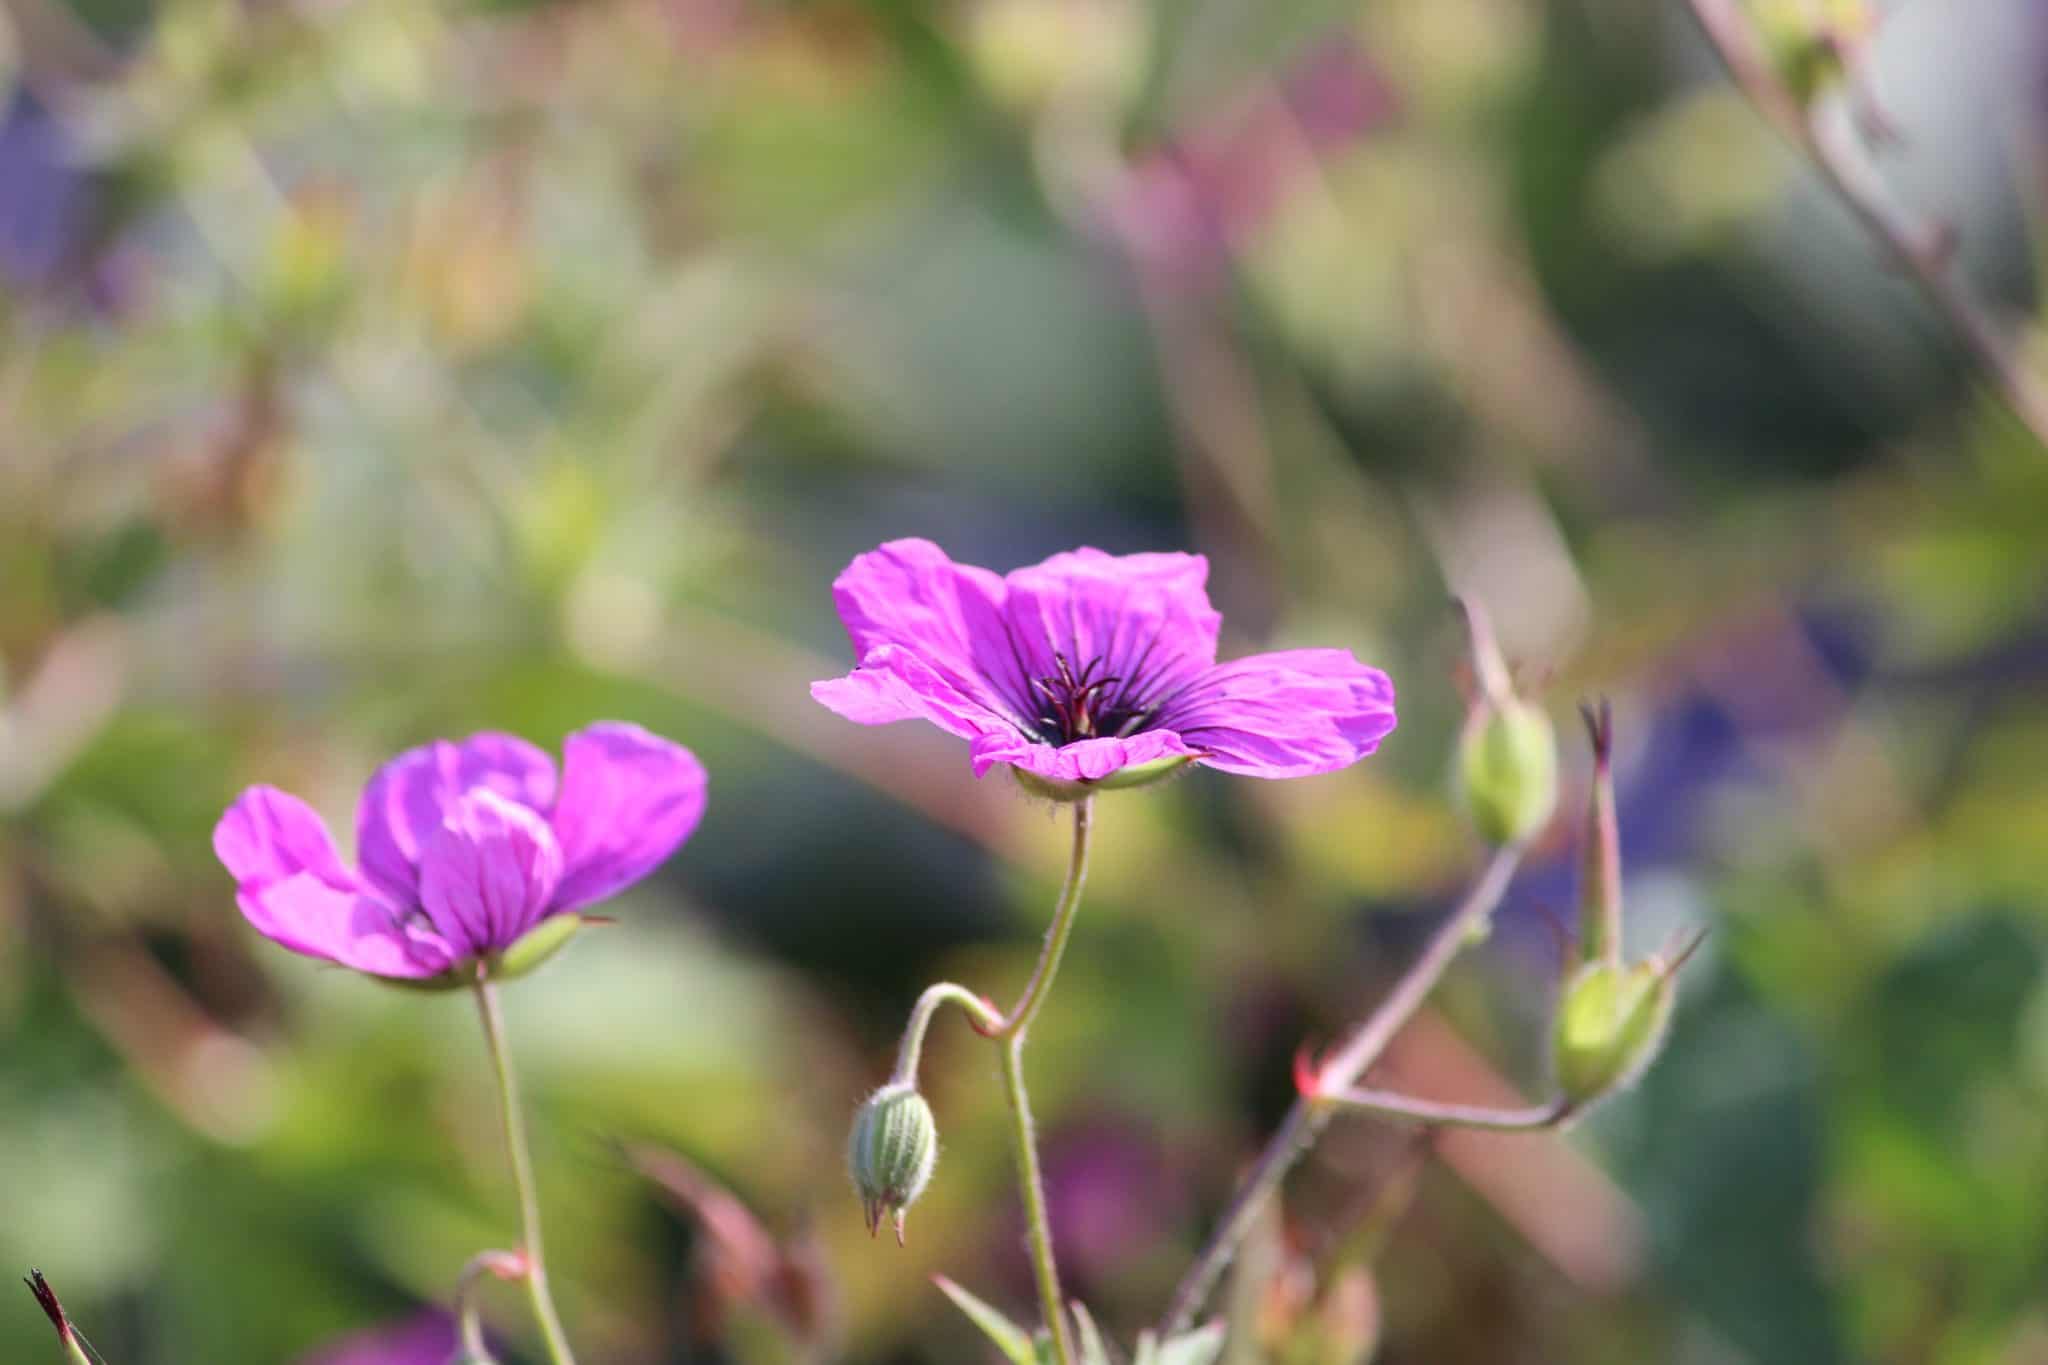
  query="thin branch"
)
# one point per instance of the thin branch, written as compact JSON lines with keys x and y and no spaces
{"x":1306,"y":1120}
{"x":1438,"y":1114}
{"x":1925,"y":252}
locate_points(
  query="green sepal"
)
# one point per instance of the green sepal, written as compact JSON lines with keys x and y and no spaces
{"x":459,"y":977}
{"x":1123,"y":779}
{"x":535,"y":947}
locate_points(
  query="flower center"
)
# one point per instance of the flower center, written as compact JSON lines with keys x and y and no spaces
{"x":1081,"y":705}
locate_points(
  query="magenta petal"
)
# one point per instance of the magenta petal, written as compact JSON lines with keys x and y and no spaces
{"x":894,"y":684}
{"x":1145,"y":618}
{"x":629,"y":798}
{"x":428,"y":1339}
{"x":1087,"y":760}
{"x":292,"y":887}
{"x":1288,"y":714}
{"x":402,"y":807}
{"x":907,"y":601}
{"x":267,"y":835}
{"x":490,"y":872}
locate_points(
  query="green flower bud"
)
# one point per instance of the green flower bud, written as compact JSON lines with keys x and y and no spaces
{"x":1507,"y":770}
{"x":1610,"y":1026}
{"x":1507,"y":757}
{"x":891,"y":1152}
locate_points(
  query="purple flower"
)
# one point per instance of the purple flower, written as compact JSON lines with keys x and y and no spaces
{"x":463,"y":847}
{"x":428,"y":1339}
{"x":1089,"y":664}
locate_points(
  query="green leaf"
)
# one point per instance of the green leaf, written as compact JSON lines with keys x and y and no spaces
{"x":1199,"y":1347}
{"x":1094,"y":1351}
{"x":1013,"y":1341}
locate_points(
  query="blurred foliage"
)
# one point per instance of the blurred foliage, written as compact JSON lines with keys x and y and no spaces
{"x":380,"y":370}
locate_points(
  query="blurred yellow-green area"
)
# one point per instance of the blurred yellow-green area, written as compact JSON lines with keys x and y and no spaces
{"x":374,"y":370}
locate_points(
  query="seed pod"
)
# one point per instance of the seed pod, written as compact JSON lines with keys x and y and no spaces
{"x":891,"y":1152}
{"x":1610,"y":1026}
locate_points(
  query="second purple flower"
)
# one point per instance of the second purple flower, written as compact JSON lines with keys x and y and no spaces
{"x":463,"y":848}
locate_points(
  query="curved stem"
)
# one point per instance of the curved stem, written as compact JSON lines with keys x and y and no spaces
{"x":1305,"y":1121}
{"x":934,"y":999}
{"x":522,"y":1177}
{"x":504,"y":1265}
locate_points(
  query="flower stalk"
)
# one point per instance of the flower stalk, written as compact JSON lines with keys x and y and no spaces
{"x":521,"y":1158}
{"x":1038,"y":1221}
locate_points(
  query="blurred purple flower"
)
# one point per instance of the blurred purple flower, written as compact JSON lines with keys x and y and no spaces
{"x":463,"y":847}
{"x":1186,"y":206}
{"x":1090,"y":663}
{"x":428,"y":1339}
{"x":1113,"y":1190}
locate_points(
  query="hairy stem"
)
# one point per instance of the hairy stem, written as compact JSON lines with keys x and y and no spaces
{"x":1011,"y":1034}
{"x":934,"y":999}
{"x":1305,"y":1121}
{"x":522,"y":1177}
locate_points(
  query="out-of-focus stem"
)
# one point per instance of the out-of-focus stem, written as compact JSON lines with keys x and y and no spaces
{"x":522,"y":1178}
{"x":1925,"y":253}
{"x":1438,"y":1114}
{"x":504,"y":1265}
{"x":1305,"y":1121}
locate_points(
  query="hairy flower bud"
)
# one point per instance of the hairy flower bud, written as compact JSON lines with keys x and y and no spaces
{"x":1610,"y":1026}
{"x":891,"y":1152}
{"x":1507,"y":769}
{"x":1507,"y":756}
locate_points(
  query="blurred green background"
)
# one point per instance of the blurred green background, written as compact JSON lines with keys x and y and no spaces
{"x":372,"y":370}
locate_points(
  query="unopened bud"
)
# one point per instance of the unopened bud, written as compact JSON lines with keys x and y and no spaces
{"x":1507,"y":756}
{"x":891,"y":1152}
{"x":1507,"y":766}
{"x":1610,"y":1026}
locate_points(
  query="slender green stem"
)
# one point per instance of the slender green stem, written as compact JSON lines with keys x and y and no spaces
{"x":522,"y":1177}
{"x":1038,"y":1222}
{"x":1435,"y":1113}
{"x":1060,"y":930}
{"x":934,"y":999}
{"x":1014,"y":1027}
{"x":1305,"y":1121}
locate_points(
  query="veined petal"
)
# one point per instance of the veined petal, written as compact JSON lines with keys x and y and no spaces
{"x":1286,"y":714}
{"x":293,"y":888}
{"x":895,"y":684}
{"x":489,"y":873}
{"x":1142,"y":620}
{"x":907,"y":598}
{"x":629,"y":798}
{"x":403,"y":806}
{"x":1087,"y":760}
